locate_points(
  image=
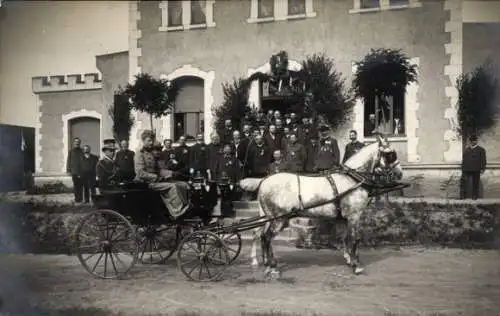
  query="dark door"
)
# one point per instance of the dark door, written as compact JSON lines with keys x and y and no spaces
{"x":88,"y":129}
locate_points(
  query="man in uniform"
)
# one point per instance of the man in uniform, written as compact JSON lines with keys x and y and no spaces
{"x":278,"y":165}
{"x":74,"y":168}
{"x":328,"y":154}
{"x":124,"y":160}
{"x":473,"y":165}
{"x":198,"y":159}
{"x":295,"y":155}
{"x":174,"y":195}
{"x":106,"y":171}
{"x":353,"y":146}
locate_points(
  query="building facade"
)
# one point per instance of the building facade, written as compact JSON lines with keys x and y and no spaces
{"x":202,"y":44}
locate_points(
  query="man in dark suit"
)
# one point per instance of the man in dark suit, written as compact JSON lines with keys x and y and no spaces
{"x":182,"y":156}
{"x":74,"y":168}
{"x":311,"y":149}
{"x":273,"y":139}
{"x":124,"y":160}
{"x":227,"y":133}
{"x":214,"y":151}
{"x":473,"y":165}
{"x":89,"y":164}
{"x":198,"y":157}
{"x":353,"y":147}
{"x":239,"y":147}
{"x":258,"y":158}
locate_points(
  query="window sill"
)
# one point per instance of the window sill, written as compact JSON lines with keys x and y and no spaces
{"x":284,"y":18}
{"x":261,"y":20}
{"x":392,"y":139}
{"x":388,"y":8}
{"x":185,"y":27}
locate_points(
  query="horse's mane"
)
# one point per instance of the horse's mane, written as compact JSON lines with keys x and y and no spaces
{"x":362,"y":160}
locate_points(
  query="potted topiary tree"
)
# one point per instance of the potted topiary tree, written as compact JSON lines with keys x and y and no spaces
{"x":120,"y":113}
{"x":381,"y":74}
{"x":155,"y":97}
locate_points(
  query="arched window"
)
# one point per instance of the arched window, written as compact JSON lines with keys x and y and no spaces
{"x":189,"y":107}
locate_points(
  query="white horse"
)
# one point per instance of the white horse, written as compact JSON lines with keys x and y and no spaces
{"x":285,"y":195}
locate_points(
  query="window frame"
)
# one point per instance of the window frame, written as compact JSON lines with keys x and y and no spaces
{"x":186,"y":17}
{"x":385,"y":5}
{"x":280,"y":12}
{"x":403,"y":133}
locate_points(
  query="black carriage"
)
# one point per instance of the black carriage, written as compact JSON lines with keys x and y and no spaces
{"x":131,"y":224}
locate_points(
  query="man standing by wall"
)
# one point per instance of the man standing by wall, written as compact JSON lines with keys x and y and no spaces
{"x":198,"y":157}
{"x":74,"y":168}
{"x":353,"y":147}
{"x":89,"y":164}
{"x":473,"y":165}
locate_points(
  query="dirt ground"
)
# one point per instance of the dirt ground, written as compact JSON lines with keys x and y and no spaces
{"x":409,"y":281}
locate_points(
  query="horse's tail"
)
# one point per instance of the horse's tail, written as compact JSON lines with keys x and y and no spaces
{"x":250,"y":184}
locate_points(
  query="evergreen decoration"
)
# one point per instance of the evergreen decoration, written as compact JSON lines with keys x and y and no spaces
{"x":383,"y":73}
{"x":120,"y":113}
{"x":317,"y":90}
{"x":155,"y":97}
{"x":477,"y":96}
{"x":235,"y":106}
{"x":323,"y":87}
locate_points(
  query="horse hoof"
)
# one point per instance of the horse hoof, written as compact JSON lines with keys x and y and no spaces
{"x":358,"y":270}
{"x":254,"y":264}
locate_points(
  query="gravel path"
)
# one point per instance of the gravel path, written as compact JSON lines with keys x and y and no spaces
{"x":397,"y":282}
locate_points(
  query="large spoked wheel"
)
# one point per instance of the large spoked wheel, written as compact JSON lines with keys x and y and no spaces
{"x":233,"y":245}
{"x":158,"y":243}
{"x":202,"y":256}
{"x":106,"y":244}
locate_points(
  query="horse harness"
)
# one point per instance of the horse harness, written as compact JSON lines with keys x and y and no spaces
{"x":336,"y":196}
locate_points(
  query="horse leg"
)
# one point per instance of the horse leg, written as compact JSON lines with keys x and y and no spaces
{"x":355,"y":238}
{"x":345,"y":236}
{"x":264,"y":249}
{"x":255,"y":242}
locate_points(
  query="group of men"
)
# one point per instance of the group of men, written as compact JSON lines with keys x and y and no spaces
{"x":276,"y":144}
{"x":285,"y":144}
{"x":87,"y":170}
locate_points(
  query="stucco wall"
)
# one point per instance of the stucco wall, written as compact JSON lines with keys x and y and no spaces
{"x":53,"y":106}
{"x":114,"y":69}
{"x":482,"y":42}
{"x":234,"y":46}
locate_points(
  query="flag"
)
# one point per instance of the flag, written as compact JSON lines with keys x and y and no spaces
{"x":23,"y":143}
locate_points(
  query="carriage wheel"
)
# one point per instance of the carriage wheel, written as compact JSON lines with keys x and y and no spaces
{"x":233,"y":245}
{"x":106,"y":244}
{"x":158,"y":243}
{"x":202,"y":256}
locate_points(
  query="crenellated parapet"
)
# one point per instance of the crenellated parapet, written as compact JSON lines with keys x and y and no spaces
{"x":73,"y":82}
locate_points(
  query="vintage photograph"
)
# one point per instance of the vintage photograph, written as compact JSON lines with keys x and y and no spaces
{"x":250,"y":157}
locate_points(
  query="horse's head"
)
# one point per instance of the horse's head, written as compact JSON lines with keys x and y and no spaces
{"x":378,"y":157}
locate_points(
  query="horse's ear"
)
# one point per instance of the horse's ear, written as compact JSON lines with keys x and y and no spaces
{"x":379,"y":138}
